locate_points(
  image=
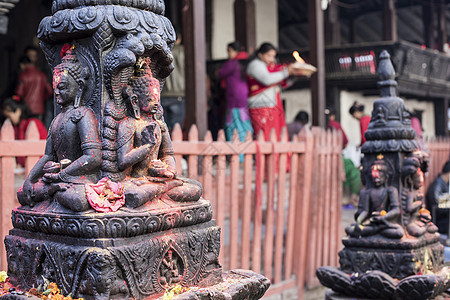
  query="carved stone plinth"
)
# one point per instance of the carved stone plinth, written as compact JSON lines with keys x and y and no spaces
{"x":379,"y":285}
{"x":52,"y":218}
{"x":399,"y":259}
{"x":137,"y":260}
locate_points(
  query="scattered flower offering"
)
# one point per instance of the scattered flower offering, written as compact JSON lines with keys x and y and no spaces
{"x":3,"y":276}
{"x":105,"y":195}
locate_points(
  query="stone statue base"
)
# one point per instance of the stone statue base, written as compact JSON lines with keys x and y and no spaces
{"x":131,"y":253}
{"x":118,"y":268}
{"x":379,"y":285}
{"x":236,"y":284}
{"x":331,"y":295}
{"x":380,"y":268}
{"x":398,"y":258}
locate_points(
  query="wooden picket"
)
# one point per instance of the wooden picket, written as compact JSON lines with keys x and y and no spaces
{"x":278,"y":202}
{"x":281,"y":224}
{"x":31,"y":148}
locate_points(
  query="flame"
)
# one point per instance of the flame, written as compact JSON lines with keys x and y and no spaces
{"x":297,"y":57}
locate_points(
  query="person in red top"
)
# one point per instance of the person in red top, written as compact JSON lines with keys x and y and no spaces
{"x":33,"y":87}
{"x":20,"y":116}
{"x":264,"y":79}
{"x":357,"y":111}
{"x":332,"y":123}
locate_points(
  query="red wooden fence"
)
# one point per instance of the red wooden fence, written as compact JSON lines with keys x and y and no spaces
{"x":283,"y":224}
{"x":32,"y":148}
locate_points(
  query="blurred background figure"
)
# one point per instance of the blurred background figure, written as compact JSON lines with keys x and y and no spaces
{"x":236,"y":92}
{"x":265,"y":78}
{"x":357,"y":112}
{"x":32,"y":53}
{"x":352,"y":183}
{"x":330,"y":114}
{"x":438,"y":189}
{"x":415,"y":124}
{"x":20,"y":116}
{"x":300,"y":120}
{"x":33,"y":87}
{"x":174,"y":91}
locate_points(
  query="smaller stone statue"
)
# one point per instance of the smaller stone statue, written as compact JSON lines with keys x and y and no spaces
{"x":416,"y":218}
{"x":73,"y":150}
{"x":144,"y":149}
{"x":379,"y":209}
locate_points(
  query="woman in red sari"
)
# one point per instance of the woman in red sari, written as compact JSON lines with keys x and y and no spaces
{"x":264,"y":81}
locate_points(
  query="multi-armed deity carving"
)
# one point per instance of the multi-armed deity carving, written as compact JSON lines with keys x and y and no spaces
{"x":393,"y":244}
{"x":104,"y":213}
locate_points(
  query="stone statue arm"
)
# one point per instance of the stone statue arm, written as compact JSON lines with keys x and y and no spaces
{"x":127,"y":156}
{"x":166,"y":153}
{"x":90,"y":161}
{"x":411,"y":204}
{"x":393,"y":209}
{"x":91,"y":147}
{"x":363,"y":208}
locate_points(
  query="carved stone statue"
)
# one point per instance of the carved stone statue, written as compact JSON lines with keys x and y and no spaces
{"x":73,"y":150}
{"x":379,"y":207}
{"x":144,"y":149}
{"x":416,"y":218}
{"x":103,"y":213}
{"x":393,"y":250}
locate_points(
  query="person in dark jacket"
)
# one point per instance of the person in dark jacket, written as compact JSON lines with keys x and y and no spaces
{"x":438,"y":188}
{"x":301,"y":119}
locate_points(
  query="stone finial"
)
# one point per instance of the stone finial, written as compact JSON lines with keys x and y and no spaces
{"x":386,"y":75}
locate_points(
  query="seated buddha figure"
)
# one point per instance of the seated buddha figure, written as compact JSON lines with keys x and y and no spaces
{"x":73,"y":149}
{"x":378,"y":210}
{"x":416,"y":218}
{"x":144,"y":148}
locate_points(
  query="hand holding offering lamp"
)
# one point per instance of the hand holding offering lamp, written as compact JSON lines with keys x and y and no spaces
{"x":301,"y":67}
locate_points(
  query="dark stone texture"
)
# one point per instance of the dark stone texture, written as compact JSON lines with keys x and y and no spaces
{"x":52,"y":218}
{"x":119,"y":268}
{"x":399,"y":262}
{"x":236,"y":285}
{"x":379,"y":285}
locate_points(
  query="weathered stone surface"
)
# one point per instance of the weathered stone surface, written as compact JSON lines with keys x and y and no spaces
{"x":119,"y":268}
{"x":52,"y":218}
{"x":399,"y":260}
{"x":237,"y":284}
{"x":379,"y":285}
